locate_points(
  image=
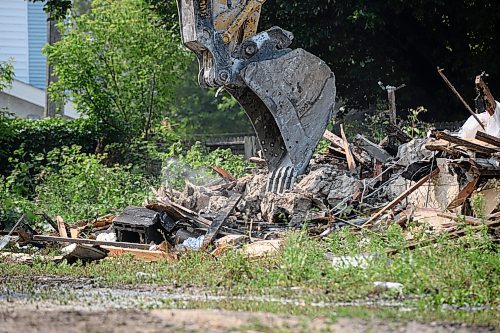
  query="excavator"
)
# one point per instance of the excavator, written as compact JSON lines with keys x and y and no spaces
{"x":288,"y":94}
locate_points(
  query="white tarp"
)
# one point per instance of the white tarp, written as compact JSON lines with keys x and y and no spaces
{"x":491,"y":124}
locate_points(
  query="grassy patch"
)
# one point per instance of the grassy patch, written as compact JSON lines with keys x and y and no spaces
{"x":460,"y":273}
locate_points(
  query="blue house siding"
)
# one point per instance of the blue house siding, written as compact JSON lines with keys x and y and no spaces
{"x":14,"y":36}
{"x":37,"y":37}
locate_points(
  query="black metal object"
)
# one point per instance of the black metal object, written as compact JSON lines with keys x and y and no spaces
{"x":138,"y":225}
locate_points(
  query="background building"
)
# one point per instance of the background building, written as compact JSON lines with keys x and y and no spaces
{"x":23,"y":33}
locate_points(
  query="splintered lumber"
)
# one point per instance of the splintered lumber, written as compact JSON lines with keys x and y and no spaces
{"x":402,"y":196}
{"x":348,"y":154}
{"x":464,"y":193}
{"x":398,"y":133}
{"x":44,"y":238}
{"x":485,"y":93}
{"x":177,"y":212}
{"x":335,"y":140}
{"x":223,"y":173}
{"x":338,"y":146}
{"x":139,"y":254}
{"x":61,"y":227}
{"x":373,"y":149}
{"x":220,"y":219}
{"x":490,"y":139}
{"x":464,"y":143}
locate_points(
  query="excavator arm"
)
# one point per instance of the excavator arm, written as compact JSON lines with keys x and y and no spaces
{"x":288,"y":95}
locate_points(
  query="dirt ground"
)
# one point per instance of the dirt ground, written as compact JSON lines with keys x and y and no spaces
{"x":211,"y":321}
{"x":55,"y":304}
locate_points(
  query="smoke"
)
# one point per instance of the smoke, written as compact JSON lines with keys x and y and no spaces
{"x":176,"y":173}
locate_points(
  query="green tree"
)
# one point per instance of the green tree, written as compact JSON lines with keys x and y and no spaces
{"x":396,"y":42}
{"x":6,"y":74}
{"x":118,"y":67}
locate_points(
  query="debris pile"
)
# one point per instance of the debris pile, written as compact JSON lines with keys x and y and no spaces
{"x":444,"y":180}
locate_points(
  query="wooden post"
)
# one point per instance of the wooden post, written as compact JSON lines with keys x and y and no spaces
{"x":391,"y":97}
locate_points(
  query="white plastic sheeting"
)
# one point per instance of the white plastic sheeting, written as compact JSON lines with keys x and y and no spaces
{"x":491,"y":124}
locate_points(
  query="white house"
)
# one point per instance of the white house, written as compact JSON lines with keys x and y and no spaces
{"x":23,"y":33}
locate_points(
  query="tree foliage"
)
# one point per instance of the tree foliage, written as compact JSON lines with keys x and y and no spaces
{"x":119,"y":68}
{"x":6,"y":74}
{"x":396,"y":42}
{"x":57,"y":9}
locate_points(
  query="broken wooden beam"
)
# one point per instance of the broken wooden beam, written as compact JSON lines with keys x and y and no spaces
{"x":43,"y":238}
{"x":402,"y":196}
{"x":223,"y":173}
{"x":348,"y":153}
{"x":47,"y":218}
{"x":139,"y":254}
{"x":465,"y":192}
{"x":485,"y":93}
{"x":334,"y":139}
{"x":338,"y":146}
{"x":490,"y":139}
{"x":464,"y":143}
{"x":61,"y":227}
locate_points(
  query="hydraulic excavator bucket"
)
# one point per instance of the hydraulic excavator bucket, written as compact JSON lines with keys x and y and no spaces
{"x":289,"y":95}
{"x":290,"y":102}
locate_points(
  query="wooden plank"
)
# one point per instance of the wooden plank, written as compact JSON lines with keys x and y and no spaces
{"x":490,"y":139}
{"x":335,"y":140}
{"x":440,"y":71}
{"x":348,"y":154}
{"x":61,"y":227}
{"x":177,"y":212}
{"x":338,"y":146}
{"x":220,"y":219}
{"x":464,"y":143}
{"x":44,"y":238}
{"x":223,"y":173}
{"x":139,"y":254}
{"x":402,"y":196}
{"x":464,"y":193}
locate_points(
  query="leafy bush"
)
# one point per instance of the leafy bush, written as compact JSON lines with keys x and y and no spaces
{"x":84,"y":188}
{"x":22,"y":140}
{"x":13,"y":205}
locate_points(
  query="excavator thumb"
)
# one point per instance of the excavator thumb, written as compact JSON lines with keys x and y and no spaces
{"x":288,"y":95}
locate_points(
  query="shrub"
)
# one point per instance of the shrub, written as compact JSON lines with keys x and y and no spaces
{"x":22,"y":140}
{"x":84,"y":188}
{"x":13,"y":205}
